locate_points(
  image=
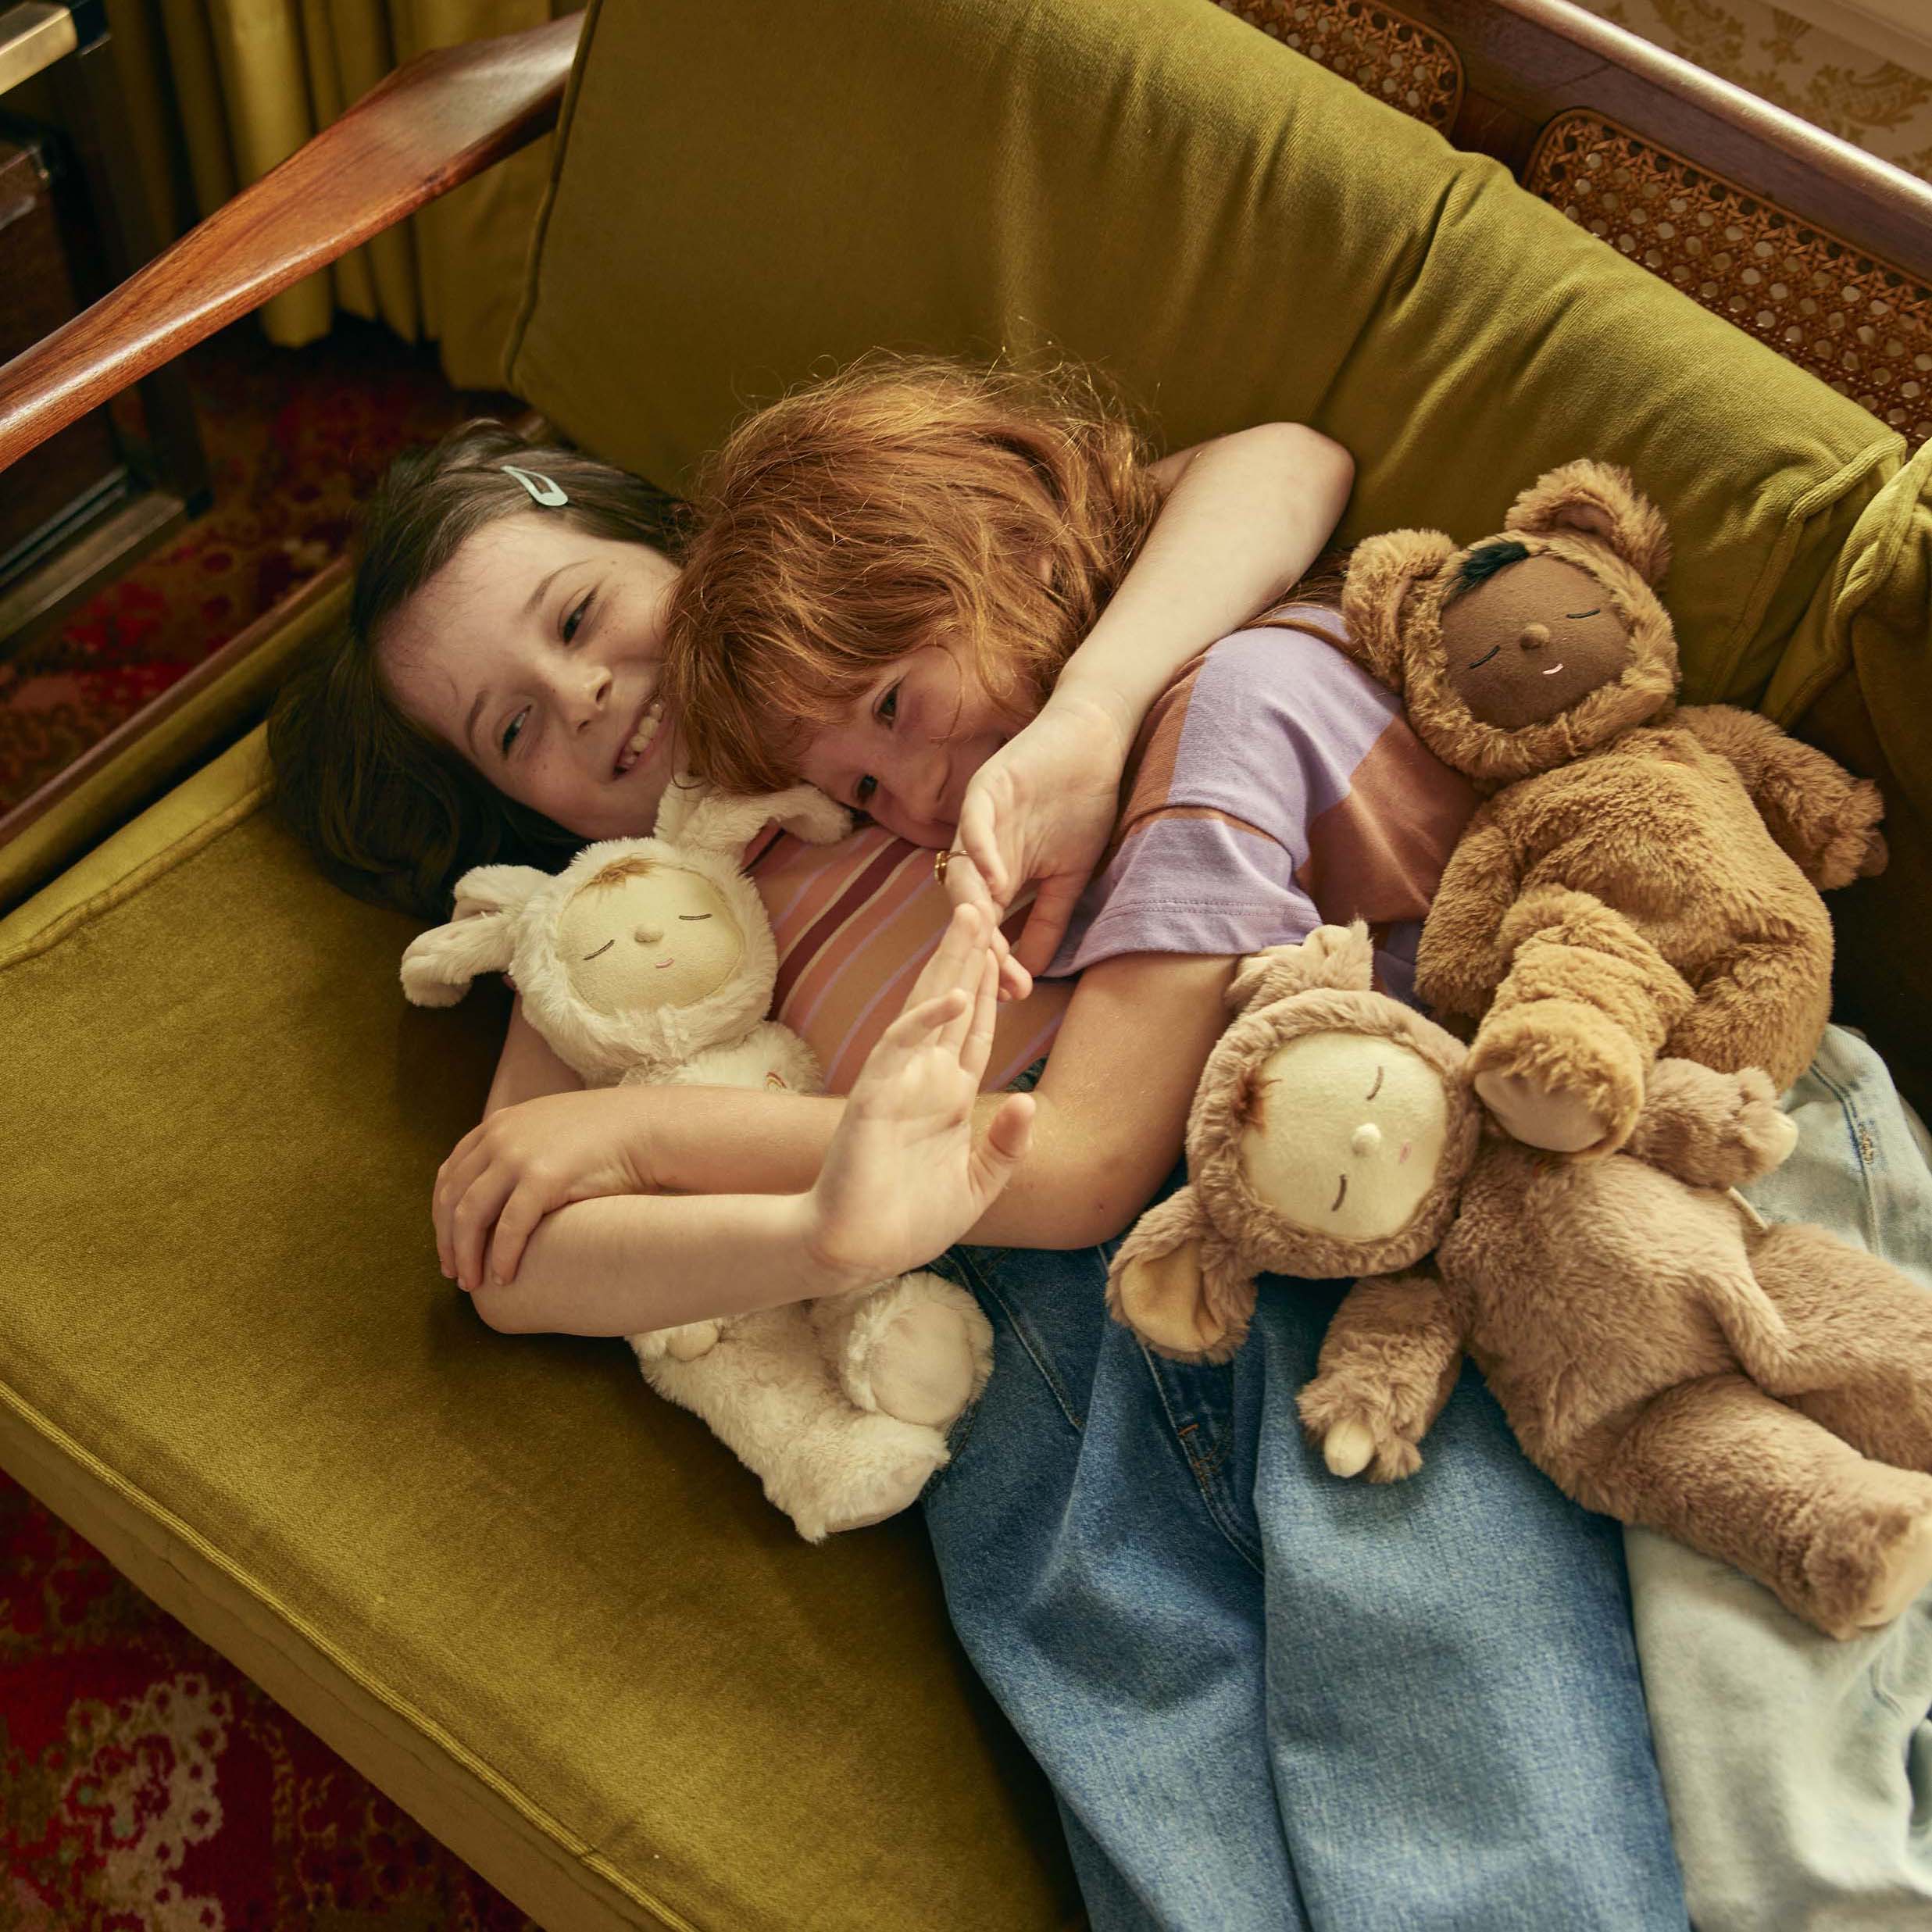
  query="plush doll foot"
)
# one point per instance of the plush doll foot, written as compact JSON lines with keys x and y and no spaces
{"x":895,"y":1472}
{"x":919,"y":1349}
{"x":1906,"y":1569}
{"x":687,"y":1343}
{"x":1354,"y":1437}
{"x":1558,"y":1074}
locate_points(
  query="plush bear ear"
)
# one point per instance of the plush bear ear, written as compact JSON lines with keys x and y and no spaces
{"x":1175,"y":1285}
{"x":1382,"y":570}
{"x":1599,"y":500}
{"x":696,"y":815}
{"x":1337,"y":956}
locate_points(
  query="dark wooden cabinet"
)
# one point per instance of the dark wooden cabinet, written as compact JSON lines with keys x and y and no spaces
{"x":69,"y":482}
{"x":74,"y":224}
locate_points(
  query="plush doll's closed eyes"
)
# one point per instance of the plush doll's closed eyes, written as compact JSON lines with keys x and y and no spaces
{"x":651,"y":960}
{"x":1762,"y":1393}
{"x":1643,"y":880}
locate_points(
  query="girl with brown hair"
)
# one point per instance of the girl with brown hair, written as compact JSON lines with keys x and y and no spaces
{"x":952,"y":599}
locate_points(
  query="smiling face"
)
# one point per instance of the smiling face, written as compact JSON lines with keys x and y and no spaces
{"x":535,"y":652}
{"x":1530,"y":642}
{"x":1346,"y":1135}
{"x":659,"y":937}
{"x":906,"y":750}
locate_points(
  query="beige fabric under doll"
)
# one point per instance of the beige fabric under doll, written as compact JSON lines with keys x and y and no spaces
{"x":651,"y":959}
{"x":1762,"y":1393}
{"x":1644,"y":879}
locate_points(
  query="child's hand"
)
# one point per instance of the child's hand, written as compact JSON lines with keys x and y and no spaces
{"x":902,"y":1180}
{"x":524,"y":1162}
{"x":1042,"y":808}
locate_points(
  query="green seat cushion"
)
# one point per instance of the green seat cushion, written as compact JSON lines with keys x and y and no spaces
{"x":221,"y":1319}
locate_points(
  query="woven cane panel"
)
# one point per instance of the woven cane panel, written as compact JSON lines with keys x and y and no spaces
{"x":1862,"y":324}
{"x":1386,"y":54}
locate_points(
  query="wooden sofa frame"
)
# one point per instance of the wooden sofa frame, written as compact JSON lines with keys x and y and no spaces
{"x":449,"y":114}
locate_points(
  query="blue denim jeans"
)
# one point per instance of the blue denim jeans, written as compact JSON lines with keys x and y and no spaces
{"x":1266,"y":1698}
{"x":1799,"y":1769}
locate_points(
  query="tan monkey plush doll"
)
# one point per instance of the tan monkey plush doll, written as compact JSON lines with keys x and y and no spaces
{"x":1762,"y":1393}
{"x":1643,"y":880}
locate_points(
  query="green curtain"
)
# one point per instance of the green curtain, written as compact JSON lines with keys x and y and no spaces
{"x":220,"y":91}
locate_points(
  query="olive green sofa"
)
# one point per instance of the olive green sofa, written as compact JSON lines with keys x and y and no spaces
{"x":543,"y":1610}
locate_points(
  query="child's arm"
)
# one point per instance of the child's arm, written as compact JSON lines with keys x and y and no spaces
{"x":906,"y":1172}
{"x":1244,"y":517}
{"x":526,"y":1067}
{"x":1111,"y":1110}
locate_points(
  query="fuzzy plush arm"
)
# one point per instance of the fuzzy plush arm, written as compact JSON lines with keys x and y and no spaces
{"x":1176,"y":1284}
{"x":1462,"y":960}
{"x":1389,"y":1358}
{"x":1710,"y":1129}
{"x":1823,"y":817}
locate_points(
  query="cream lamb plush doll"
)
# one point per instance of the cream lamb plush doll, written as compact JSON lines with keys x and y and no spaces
{"x":651,"y":960}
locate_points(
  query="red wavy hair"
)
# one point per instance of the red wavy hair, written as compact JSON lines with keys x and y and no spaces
{"x":871,"y":514}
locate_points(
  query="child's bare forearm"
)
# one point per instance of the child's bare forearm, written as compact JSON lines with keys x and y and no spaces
{"x":625,"y":1264}
{"x":1246,"y":515}
{"x":1107,"y":1130}
{"x":724,"y":1140}
{"x":526,"y":1067}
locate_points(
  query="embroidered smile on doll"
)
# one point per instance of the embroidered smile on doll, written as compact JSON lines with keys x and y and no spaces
{"x":1643,"y":880}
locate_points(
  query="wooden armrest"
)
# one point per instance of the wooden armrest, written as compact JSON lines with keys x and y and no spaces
{"x":427,"y":128}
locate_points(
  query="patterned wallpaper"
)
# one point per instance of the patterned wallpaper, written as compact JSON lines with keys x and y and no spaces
{"x":1858,"y":95}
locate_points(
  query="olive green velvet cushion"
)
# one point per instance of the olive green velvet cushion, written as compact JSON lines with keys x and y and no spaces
{"x":550,"y":1602}
{"x":745,"y":195}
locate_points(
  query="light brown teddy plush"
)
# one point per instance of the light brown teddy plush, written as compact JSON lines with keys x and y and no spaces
{"x":1762,"y":1393}
{"x":1644,"y":879}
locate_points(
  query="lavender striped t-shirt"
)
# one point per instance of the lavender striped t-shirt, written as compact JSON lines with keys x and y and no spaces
{"x":1274,"y":787}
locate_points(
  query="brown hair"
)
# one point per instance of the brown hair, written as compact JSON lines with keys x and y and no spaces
{"x":620,"y":871}
{"x":390,"y":812}
{"x":858,"y":519}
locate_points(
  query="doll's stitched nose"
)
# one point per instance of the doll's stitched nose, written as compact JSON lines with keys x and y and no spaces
{"x":1534,"y":636}
{"x":1365,"y":1139}
{"x":648,"y":935}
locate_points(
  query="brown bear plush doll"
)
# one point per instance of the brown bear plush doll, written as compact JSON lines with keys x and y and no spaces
{"x":1762,"y":1393}
{"x":1643,"y":880}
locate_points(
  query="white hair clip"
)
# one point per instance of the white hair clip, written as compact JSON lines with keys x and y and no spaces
{"x":541,"y":487}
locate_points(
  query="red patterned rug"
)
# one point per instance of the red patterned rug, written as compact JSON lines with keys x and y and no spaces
{"x":295,"y":439}
{"x":145,"y":1785}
